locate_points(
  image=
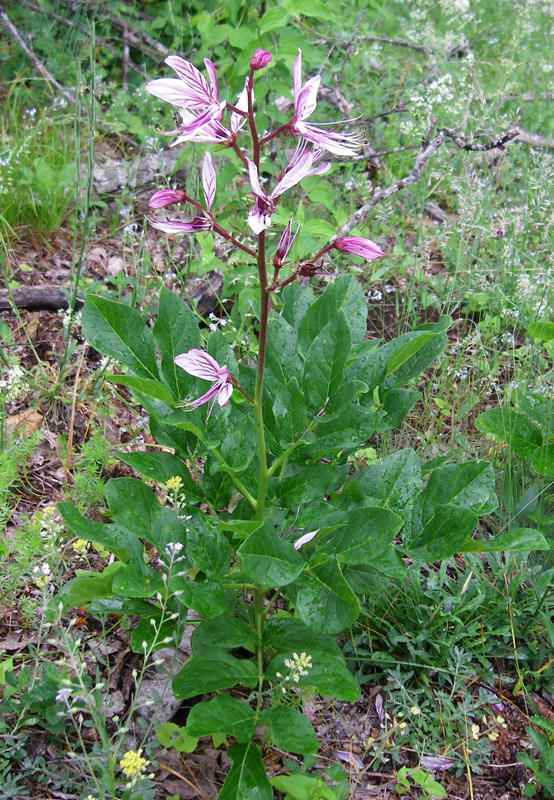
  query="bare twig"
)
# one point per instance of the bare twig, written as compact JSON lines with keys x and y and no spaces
{"x":69,"y":96}
{"x":421,"y":48}
{"x":348,"y":48}
{"x":428,"y":148}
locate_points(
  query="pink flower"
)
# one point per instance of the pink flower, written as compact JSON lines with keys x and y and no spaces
{"x":305,"y":102}
{"x":202,"y":365}
{"x":299,"y":167}
{"x":164,"y":197}
{"x":359,"y":246}
{"x":260,"y":59}
{"x":197,"y":99}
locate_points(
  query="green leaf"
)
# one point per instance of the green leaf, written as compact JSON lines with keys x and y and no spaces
{"x":274,"y":18}
{"x":396,"y":404}
{"x":169,"y":734}
{"x":344,"y":293}
{"x":175,"y":332}
{"x":542,"y":460}
{"x":542,"y":331}
{"x":268,"y":560}
{"x":132,"y":581}
{"x":327,"y":675}
{"x":291,"y":634}
{"x":122,"y":544}
{"x":307,"y":484}
{"x":207,"y":547}
{"x":144,"y":385}
{"x":326,"y":361}
{"x":119,"y":331}
{"x":393,"y":482}
{"x":522,"y":435}
{"x":468,"y":485}
{"x":160,"y":466}
{"x":224,"y":631}
{"x":313,"y":8}
{"x":211,"y":671}
{"x":346,"y":430}
{"x":224,"y":715}
{"x":303,"y":787}
{"x":155,"y":636}
{"x":290,"y":730}
{"x":365,"y":539}
{"x":323,"y":598}
{"x":83,"y":590}
{"x":136,"y":509}
{"x":297,"y":300}
{"x":516,"y":540}
{"x":443,"y":535}
{"x":413,"y":346}
{"x":246,"y":780}
{"x":205,"y":597}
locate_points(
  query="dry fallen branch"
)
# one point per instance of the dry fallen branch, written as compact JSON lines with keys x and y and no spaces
{"x":427,"y":149}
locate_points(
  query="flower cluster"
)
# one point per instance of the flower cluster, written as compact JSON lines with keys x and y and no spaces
{"x":133,"y":763}
{"x":42,"y":575}
{"x":202,"y":113}
{"x":299,"y":666}
{"x":13,"y":384}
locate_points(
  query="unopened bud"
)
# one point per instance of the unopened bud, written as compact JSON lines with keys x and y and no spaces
{"x":165,"y":197}
{"x":260,"y":59}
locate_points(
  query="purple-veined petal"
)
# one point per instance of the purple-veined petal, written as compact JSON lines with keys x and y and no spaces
{"x":225,"y":393}
{"x":213,"y":112}
{"x":199,"y":91}
{"x":190,"y":225}
{"x":297,"y":75}
{"x":293,"y":175}
{"x":319,"y":170}
{"x":307,"y":537}
{"x":341,"y":144}
{"x":359,"y":246}
{"x":259,"y":216}
{"x":201,"y":364}
{"x":306,"y":101}
{"x":173,"y":91}
{"x":255,"y":180}
{"x":237,"y":120}
{"x":212,"y":392}
{"x":208,"y":179}
{"x":165,"y":197}
{"x":213,"y":131}
{"x":210,"y":68}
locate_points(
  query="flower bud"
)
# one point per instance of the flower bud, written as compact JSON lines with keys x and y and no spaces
{"x":165,"y":197}
{"x":365,"y":248}
{"x":260,"y":59}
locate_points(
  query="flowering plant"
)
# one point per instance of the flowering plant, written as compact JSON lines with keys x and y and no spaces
{"x":258,"y":523}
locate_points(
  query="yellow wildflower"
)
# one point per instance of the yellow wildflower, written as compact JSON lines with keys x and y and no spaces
{"x":80,"y":546}
{"x":174,"y":483}
{"x":475,"y":731}
{"x":133,"y":763}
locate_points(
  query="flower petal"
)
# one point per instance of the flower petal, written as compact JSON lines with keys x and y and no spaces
{"x":190,"y":225}
{"x":200,"y":364}
{"x":213,"y":78}
{"x":199,"y":92}
{"x":225,"y":393}
{"x":208,"y":179}
{"x":359,"y":246}
{"x":294,"y":174}
{"x":306,"y":101}
{"x":255,"y":180}
{"x":165,"y":197}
